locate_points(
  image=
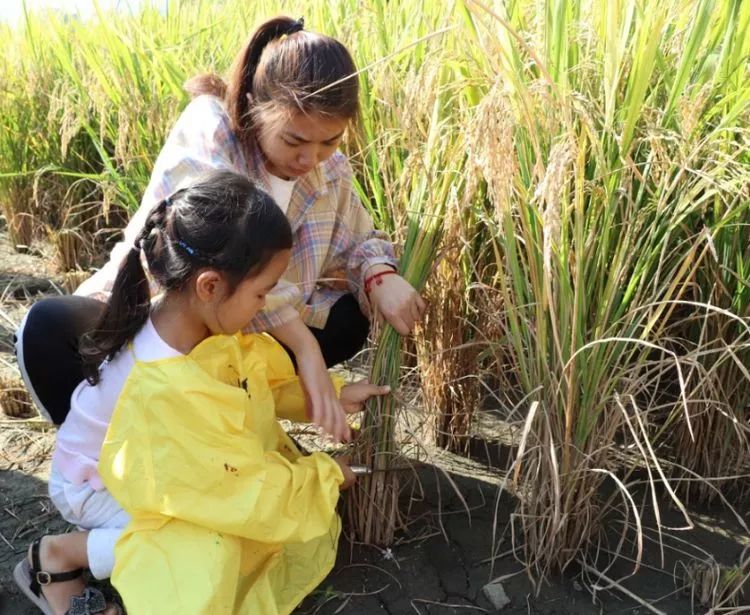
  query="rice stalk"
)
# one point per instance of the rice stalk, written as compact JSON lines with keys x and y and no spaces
{"x":431,"y":184}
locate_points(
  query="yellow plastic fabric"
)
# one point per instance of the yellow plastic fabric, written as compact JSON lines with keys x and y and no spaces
{"x":227,"y":516}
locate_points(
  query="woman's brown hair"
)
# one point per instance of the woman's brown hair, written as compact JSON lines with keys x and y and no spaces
{"x":283,"y":68}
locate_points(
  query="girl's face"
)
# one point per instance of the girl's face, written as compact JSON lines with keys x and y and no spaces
{"x":294,"y":147}
{"x":230,"y":314}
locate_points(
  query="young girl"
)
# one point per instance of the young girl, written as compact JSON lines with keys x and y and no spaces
{"x":223,"y":514}
{"x":279,"y":119}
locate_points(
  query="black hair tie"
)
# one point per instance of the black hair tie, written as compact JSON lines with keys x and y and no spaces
{"x":296,"y":26}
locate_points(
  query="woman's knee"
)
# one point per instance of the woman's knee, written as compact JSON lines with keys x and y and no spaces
{"x":346,"y":331}
{"x":46,"y":347}
{"x":59,"y":320}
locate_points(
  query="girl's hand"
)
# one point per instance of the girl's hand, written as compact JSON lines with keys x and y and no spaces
{"x":353,"y":396}
{"x":349,"y":477}
{"x":396,"y":300}
{"x":323,"y":405}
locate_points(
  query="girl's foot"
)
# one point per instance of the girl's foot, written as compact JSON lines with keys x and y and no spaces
{"x":53,"y":581}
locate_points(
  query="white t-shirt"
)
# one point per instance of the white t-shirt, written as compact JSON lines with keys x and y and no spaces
{"x":80,"y":437}
{"x":281,"y":190}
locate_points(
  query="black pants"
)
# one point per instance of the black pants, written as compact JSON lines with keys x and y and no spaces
{"x":47,"y":345}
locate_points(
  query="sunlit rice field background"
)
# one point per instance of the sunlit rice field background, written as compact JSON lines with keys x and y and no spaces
{"x":571,"y":178}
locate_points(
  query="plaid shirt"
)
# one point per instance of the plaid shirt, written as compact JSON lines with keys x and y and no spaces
{"x":334,"y":239}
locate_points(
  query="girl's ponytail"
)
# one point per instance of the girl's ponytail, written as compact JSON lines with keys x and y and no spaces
{"x":128,"y":306}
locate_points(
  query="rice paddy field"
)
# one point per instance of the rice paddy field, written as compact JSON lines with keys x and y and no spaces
{"x":568,"y":181}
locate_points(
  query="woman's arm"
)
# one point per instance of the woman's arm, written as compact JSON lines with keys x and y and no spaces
{"x":394,"y":299}
{"x":364,"y":252}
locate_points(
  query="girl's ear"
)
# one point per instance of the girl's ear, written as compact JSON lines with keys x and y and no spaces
{"x":209,"y":286}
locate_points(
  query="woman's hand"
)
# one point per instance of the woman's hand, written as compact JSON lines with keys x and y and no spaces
{"x":354,"y":396}
{"x":395,"y":300}
{"x":323,"y":406}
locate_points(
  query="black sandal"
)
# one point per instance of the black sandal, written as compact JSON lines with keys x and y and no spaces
{"x":30,"y":579}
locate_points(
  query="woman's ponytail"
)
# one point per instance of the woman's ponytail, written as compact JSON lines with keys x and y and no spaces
{"x":245,"y":66}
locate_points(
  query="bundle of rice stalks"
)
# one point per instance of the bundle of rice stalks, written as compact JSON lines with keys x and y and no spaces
{"x":447,"y":345}
{"x":17,"y":209}
{"x":69,"y":246}
{"x":14,"y":399}
{"x":431,"y":183}
{"x":74,"y":240}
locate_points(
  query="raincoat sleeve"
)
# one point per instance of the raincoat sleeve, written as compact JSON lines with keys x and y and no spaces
{"x":288,"y":394}
{"x":289,"y":398}
{"x":167,"y":455}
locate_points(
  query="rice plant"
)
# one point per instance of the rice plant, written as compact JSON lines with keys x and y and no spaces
{"x":719,"y":379}
{"x":599,"y":184}
{"x":430,"y":185}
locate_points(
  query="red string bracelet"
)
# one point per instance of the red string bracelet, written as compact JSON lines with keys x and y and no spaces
{"x":377,"y":278}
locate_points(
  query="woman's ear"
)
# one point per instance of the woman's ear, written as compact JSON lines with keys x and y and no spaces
{"x":209,"y":286}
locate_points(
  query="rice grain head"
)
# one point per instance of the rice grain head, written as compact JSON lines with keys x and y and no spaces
{"x":490,"y":147}
{"x":549,"y":192}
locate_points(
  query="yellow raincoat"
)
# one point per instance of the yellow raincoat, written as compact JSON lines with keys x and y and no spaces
{"x":227,"y":517}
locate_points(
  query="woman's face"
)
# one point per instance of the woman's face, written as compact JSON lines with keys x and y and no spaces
{"x":294,"y":147}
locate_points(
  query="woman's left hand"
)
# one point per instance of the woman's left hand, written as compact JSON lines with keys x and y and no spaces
{"x":353,"y":396}
{"x":395,"y":300}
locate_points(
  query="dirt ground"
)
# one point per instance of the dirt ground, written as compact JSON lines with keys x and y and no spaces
{"x":441,"y":565}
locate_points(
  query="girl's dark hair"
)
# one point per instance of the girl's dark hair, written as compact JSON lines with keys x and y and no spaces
{"x":222,"y":221}
{"x":284,"y":66}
